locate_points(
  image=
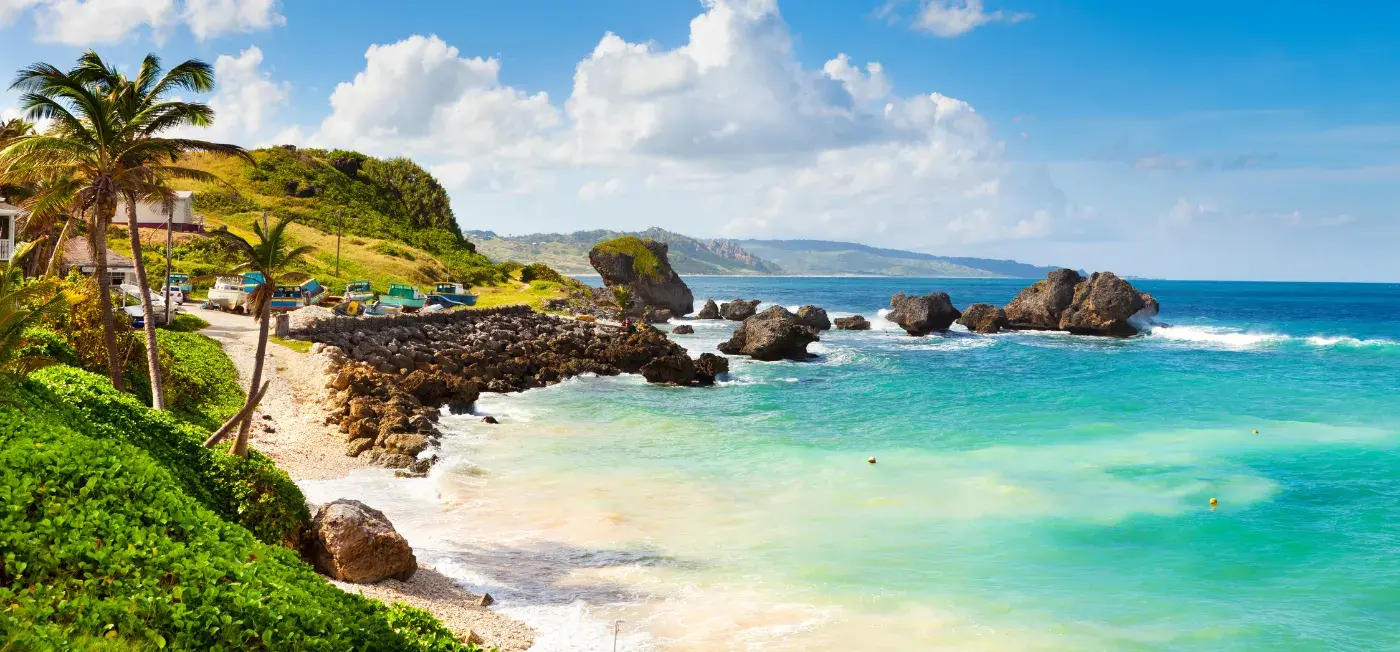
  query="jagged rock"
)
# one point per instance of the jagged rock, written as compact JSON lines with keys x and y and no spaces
{"x":814,"y":318}
{"x":852,"y":323}
{"x":654,"y":315}
{"x":676,"y":369}
{"x":642,"y":266}
{"x":489,"y":420}
{"x":983,"y":318}
{"x":1040,"y":306}
{"x":774,"y":334}
{"x":739,"y":309}
{"x":353,"y":542}
{"x":1103,"y":305}
{"x":406,"y":443}
{"x":710,"y":311}
{"x":485,"y":600}
{"x":684,"y":329}
{"x":709,"y":366}
{"x":923,"y":315}
{"x":1149,"y":311}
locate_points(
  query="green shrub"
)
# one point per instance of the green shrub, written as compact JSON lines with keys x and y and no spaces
{"x":391,"y":250}
{"x":252,"y":493}
{"x":510,"y":267}
{"x":644,"y":263}
{"x":186,"y":323}
{"x":540,"y":272}
{"x":201,"y":383}
{"x":99,"y":542}
{"x":43,"y":342}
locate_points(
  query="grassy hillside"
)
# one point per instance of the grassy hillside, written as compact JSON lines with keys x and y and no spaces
{"x":568,"y":252}
{"x":821,"y":257}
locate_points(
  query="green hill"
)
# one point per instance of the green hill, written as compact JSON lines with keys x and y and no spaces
{"x":568,"y":252}
{"x":827,"y":258}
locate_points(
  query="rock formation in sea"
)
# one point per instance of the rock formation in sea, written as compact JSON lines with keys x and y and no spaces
{"x":921,"y":315}
{"x":738,"y":309}
{"x":1040,"y":306}
{"x":774,"y":334}
{"x":654,"y":315}
{"x":852,"y":323}
{"x":642,"y":266}
{"x":675,"y":369}
{"x":710,"y":366}
{"x":1103,"y":305}
{"x":814,"y":317}
{"x":983,"y":318}
{"x":353,"y":542}
{"x":684,"y":329}
{"x":710,"y":311}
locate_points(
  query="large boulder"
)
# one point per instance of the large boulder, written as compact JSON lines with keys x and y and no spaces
{"x":674,"y":369}
{"x":710,"y":311}
{"x":774,"y":334}
{"x":983,"y":318}
{"x":1149,"y":311}
{"x":738,"y":309}
{"x":684,"y":329}
{"x":1040,"y":306}
{"x":654,"y":315}
{"x":814,"y":317}
{"x":642,"y":265}
{"x":923,"y":315}
{"x":353,"y":542}
{"x":852,"y":323}
{"x":709,"y":366}
{"x":1103,"y":305}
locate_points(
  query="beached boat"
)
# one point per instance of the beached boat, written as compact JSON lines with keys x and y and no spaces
{"x":179,"y":282}
{"x":291,"y":297}
{"x":451,"y":295}
{"x":404,"y":296}
{"x":358,"y":291}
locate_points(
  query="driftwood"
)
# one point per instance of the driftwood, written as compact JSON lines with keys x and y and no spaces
{"x":247,"y":410}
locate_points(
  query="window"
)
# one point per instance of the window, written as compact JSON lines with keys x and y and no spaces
{"x":116,"y":278}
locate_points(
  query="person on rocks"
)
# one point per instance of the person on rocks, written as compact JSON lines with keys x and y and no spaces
{"x":629,"y":326}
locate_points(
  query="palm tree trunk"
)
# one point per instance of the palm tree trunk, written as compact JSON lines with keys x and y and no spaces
{"x":57,"y":256}
{"x":240,"y":445}
{"x":148,"y":311}
{"x":104,"y":298}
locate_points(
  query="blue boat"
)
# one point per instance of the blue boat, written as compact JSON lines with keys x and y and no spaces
{"x":291,"y":297}
{"x":451,"y":295}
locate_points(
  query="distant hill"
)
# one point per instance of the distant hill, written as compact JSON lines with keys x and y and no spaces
{"x":568,"y":252}
{"x":823,"y":257}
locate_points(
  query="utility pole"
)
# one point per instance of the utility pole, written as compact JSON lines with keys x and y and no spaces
{"x":169,"y":220}
{"x":339,"y":228}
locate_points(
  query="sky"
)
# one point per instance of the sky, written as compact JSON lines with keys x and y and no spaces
{"x":1189,"y":139}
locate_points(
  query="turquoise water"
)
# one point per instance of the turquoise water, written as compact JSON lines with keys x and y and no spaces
{"x":1033,"y":491}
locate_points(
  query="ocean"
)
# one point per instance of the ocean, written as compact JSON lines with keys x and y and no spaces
{"x":1033,"y":491}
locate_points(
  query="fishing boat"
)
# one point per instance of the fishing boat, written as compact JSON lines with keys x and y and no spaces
{"x":178,"y":282}
{"x":404,"y":296}
{"x":451,"y":295}
{"x":231,"y":292}
{"x":358,"y":291}
{"x":291,"y":297}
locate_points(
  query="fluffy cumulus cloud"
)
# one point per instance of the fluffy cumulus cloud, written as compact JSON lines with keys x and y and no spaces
{"x":245,"y":102}
{"x":92,"y":22}
{"x":729,"y":130}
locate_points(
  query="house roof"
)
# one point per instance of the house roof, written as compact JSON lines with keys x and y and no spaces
{"x":77,"y":253}
{"x":8,"y":208}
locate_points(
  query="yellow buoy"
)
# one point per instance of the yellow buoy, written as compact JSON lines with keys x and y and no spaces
{"x":1214,"y":502}
{"x":871,"y":460}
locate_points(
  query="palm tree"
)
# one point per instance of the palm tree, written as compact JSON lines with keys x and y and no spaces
{"x":21,"y":304}
{"x":272,"y":256}
{"x":106,"y":133}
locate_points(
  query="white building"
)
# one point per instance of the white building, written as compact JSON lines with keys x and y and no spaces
{"x":77,"y":254}
{"x":8,"y":216}
{"x":152,"y":215}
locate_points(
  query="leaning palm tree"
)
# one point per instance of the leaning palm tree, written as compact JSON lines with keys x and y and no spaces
{"x":106,"y":132}
{"x":272,"y":256}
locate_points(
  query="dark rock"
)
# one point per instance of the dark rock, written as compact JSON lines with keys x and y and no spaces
{"x":710,"y":311}
{"x":1103,"y":305}
{"x":739,"y":309}
{"x":353,"y":542}
{"x":814,"y":317}
{"x":654,"y":315}
{"x":653,"y":285}
{"x":709,"y":367}
{"x":1040,"y":306}
{"x":676,"y":369}
{"x":1150,"y":308}
{"x":923,"y":315}
{"x":983,"y":318}
{"x":485,"y":600}
{"x":852,"y":323}
{"x":774,"y":334}
{"x":684,"y":329}
{"x":489,"y":420}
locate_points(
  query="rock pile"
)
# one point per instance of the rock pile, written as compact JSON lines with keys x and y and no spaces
{"x":774,"y":334}
{"x":1102,"y":304}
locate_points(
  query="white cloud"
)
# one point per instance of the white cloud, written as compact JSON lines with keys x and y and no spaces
{"x":595,"y":190}
{"x":90,"y":22}
{"x":245,"y":101}
{"x":952,"y":18}
{"x":1184,"y":213}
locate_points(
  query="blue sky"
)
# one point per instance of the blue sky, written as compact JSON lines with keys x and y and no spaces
{"x":1240,"y":140}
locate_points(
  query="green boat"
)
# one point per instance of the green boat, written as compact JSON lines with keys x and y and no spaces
{"x":404,"y":296}
{"x":358,"y":291}
{"x":451,"y":295}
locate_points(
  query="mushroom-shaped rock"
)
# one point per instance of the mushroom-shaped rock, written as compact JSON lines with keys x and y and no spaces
{"x":709,"y":366}
{"x":674,"y":369}
{"x":814,"y":317}
{"x":774,"y":334}
{"x":983,"y":318}
{"x":1040,"y":306}
{"x":353,"y":542}
{"x":923,"y":315}
{"x":710,"y":311}
{"x":852,"y":323}
{"x":1103,"y":305}
{"x":738,"y":309}
{"x":642,"y":265}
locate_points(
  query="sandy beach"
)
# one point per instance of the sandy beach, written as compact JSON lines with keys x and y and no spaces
{"x":291,"y":429}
